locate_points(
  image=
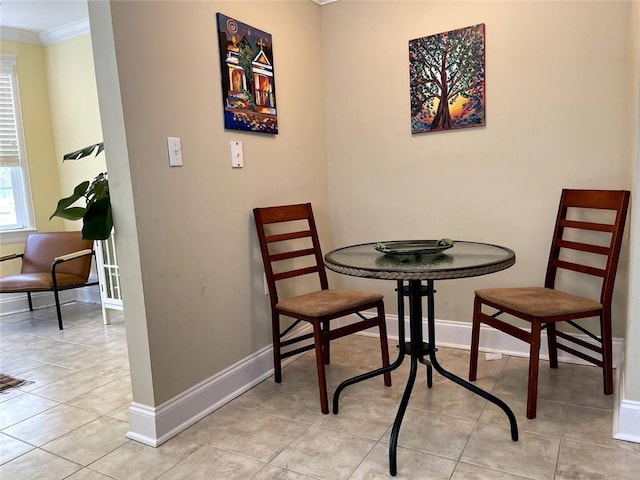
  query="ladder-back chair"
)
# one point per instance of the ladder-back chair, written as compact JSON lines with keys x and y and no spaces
{"x":291,"y":249}
{"x":579,"y":245}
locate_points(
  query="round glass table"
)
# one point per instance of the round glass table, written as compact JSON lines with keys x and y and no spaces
{"x":410,"y":266}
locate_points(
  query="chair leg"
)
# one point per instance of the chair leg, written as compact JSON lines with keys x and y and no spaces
{"x":326,"y":343}
{"x":384,"y":344}
{"x":553,"y":345}
{"x":534,"y":361}
{"x":475,"y":340}
{"x":277,"y":360}
{"x":30,"y":301}
{"x":57,"y":297}
{"x":607,"y":354}
{"x":322,"y":379}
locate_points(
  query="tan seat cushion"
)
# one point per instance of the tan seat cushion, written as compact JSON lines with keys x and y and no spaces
{"x":538,"y":301}
{"x":37,"y":281}
{"x":327,"y":302}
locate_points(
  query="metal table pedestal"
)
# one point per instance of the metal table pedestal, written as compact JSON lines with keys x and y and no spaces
{"x":415,"y":348}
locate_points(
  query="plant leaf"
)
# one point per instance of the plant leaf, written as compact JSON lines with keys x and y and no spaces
{"x":84,"y":152}
{"x":72,"y":213}
{"x":98,"y":221}
{"x":63,"y":210}
{"x":98,"y":189}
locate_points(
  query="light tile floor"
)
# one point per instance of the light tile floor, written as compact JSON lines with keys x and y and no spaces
{"x":71,"y":421}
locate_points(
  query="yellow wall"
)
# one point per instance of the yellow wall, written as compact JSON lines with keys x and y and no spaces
{"x":74,"y":111}
{"x":60,"y":114}
{"x":38,"y":132}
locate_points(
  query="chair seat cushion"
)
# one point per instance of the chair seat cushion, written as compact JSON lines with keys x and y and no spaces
{"x":538,"y":301}
{"x":37,"y":282}
{"x":327,"y":302}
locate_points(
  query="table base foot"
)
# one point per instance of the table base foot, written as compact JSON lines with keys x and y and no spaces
{"x":395,"y":431}
{"x":424,"y":353}
{"x":364,"y":376}
{"x":484,"y":394}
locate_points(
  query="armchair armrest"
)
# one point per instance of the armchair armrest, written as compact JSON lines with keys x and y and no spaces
{"x":10,"y":256}
{"x":71,"y":256}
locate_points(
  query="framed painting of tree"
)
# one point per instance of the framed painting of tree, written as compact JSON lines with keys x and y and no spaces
{"x":447,"y":80}
{"x":247,"y":77}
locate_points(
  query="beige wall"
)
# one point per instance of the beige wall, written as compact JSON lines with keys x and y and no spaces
{"x":558,"y":115}
{"x":197,"y":303}
{"x":632,"y":341}
{"x":38,"y":132}
{"x":75,"y":114}
{"x":191,"y":271}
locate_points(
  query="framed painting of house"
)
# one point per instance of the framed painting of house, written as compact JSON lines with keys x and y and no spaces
{"x":447,"y":80}
{"x":247,"y":77}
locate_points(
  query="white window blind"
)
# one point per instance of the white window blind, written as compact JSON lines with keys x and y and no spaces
{"x":16,"y":206}
{"x":9,"y":147}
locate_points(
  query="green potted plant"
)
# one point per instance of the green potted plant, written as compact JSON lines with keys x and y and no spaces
{"x":97,"y":221}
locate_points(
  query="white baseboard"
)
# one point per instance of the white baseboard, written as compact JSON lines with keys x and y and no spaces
{"x":88,"y":294}
{"x":626,"y":415}
{"x":458,"y":335}
{"x":18,"y":302}
{"x":155,"y":425}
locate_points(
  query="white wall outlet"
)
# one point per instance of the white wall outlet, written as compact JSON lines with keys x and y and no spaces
{"x":237,"y":156}
{"x":175,"y":151}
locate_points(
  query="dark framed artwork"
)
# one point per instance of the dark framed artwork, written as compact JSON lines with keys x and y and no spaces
{"x":447,"y":80}
{"x":248,"y":77}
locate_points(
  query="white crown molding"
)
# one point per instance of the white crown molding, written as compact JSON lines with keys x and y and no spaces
{"x":17,"y":35}
{"x":65,"y":32}
{"x":49,"y":37}
{"x":324,"y":2}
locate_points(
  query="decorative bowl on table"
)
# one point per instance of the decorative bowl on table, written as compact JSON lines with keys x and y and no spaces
{"x":414,"y":247}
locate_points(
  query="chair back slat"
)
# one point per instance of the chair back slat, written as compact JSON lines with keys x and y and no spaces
{"x":294,"y":273}
{"x":599,"y":199}
{"x":287,"y":213}
{"x":606,"y":247}
{"x":277,"y":257}
{"x":280,"y":235}
{"x":288,"y":236}
{"x":577,"y":267}
{"x":598,"y":227}
{"x":42,"y":248}
{"x":583,"y":247}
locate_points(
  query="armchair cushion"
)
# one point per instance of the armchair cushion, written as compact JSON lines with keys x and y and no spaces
{"x":38,"y":282}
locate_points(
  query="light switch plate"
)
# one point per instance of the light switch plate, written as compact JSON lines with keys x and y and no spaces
{"x":237,"y":156}
{"x":175,"y":151}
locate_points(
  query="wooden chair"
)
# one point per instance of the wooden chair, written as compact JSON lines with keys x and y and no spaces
{"x":578,"y":244}
{"x":51,"y":262}
{"x":291,"y":249}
